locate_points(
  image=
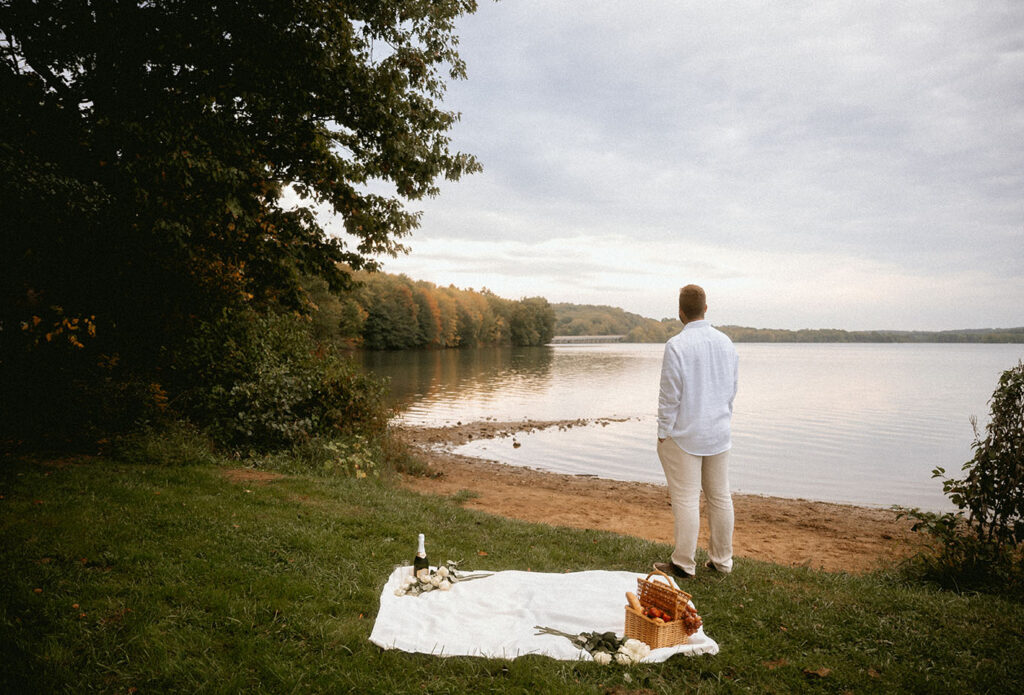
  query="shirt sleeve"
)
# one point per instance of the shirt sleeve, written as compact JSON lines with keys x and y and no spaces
{"x":670,"y":393}
{"x":735,"y":377}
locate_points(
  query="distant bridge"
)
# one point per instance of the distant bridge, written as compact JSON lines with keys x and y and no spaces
{"x":585,"y":339}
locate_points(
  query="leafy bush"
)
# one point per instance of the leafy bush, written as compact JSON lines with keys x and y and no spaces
{"x":261,"y":382}
{"x":980,"y":545}
{"x":399,"y":456}
{"x":350,"y":455}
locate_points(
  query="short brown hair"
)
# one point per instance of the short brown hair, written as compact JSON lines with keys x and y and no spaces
{"x":693,"y":301}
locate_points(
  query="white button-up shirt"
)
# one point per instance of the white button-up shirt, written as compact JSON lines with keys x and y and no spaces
{"x":699,"y":378}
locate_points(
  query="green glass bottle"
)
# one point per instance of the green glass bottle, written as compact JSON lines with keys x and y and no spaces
{"x":420,"y":564}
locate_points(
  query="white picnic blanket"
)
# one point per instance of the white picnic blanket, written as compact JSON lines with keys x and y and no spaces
{"x":496,"y":616}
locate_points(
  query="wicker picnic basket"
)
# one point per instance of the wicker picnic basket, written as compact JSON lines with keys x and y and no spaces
{"x":664,"y":596}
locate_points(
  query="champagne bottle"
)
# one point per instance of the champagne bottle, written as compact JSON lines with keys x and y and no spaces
{"x":420,"y":565}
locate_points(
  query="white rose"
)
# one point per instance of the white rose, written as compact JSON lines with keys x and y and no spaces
{"x":445,"y":585}
{"x":603,"y":658}
{"x":435,"y":581}
{"x":399,"y":592}
{"x":621,"y":658}
{"x":442,"y":572}
{"x":636,"y":649}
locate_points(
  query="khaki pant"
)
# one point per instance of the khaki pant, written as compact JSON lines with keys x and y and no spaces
{"x":687,"y":475}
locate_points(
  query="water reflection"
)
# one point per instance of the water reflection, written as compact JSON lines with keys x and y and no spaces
{"x":421,"y":380}
{"x":850,"y":423}
{"x":541,"y":383}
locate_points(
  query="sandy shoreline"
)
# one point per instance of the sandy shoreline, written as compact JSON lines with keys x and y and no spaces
{"x":822,"y":535}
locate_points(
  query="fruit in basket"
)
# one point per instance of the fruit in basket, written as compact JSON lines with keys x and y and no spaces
{"x":655,"y":613}
{"x":691,"y":620}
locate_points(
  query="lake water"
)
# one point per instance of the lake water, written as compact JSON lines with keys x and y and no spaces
{"x":854,"y":423}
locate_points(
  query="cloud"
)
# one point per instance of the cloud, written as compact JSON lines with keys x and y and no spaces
{"x":752,"y":287}
{"x":796,"y":147}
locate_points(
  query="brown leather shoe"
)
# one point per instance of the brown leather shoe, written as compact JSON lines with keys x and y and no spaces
{"x":673,"y":570}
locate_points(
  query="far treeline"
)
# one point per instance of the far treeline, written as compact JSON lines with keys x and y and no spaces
{"x":587,"y":319}
{"x":393,"y":312}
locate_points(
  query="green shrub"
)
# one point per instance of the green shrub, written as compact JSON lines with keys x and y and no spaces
{"x":350,"y":455}
{"x":980,"y":545}
{"x":399,"y":457}
{"x":262,"y":383}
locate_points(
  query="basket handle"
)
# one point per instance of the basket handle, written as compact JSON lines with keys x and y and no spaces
{"x":671,"y":582}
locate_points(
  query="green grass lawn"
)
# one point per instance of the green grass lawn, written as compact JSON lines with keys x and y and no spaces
{"x":120,"y":577}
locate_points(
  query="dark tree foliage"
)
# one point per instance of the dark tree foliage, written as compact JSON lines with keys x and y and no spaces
{"x":160,"y":161}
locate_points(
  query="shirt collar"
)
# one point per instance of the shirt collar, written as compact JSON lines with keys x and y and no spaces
{"x":700,"y":323}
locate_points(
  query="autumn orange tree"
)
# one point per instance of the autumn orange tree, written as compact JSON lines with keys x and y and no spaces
{"x":161,"y":163}
{"x":400,"y":313}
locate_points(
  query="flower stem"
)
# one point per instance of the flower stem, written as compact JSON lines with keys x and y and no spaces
{"x":575,"y":639}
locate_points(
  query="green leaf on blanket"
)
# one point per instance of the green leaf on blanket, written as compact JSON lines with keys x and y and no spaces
{"x":604,"y":647}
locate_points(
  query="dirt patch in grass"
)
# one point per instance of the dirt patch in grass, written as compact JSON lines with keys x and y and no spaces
{"x":821,"y":535}
{"x":250,"y":475}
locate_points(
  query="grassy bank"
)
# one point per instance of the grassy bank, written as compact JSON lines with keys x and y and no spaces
{"x":120,"y":577}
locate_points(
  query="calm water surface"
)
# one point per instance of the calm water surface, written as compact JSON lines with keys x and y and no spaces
{"x":863,"y":424}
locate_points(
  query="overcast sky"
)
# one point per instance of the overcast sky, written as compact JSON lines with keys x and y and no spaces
{"x":813,"y":165}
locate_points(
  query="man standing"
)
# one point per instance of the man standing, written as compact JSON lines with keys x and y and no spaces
{"x":699,"y":378}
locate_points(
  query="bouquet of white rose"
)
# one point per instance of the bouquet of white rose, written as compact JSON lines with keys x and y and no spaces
{"x":441,"y":578}
{"x":604,"y":647}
